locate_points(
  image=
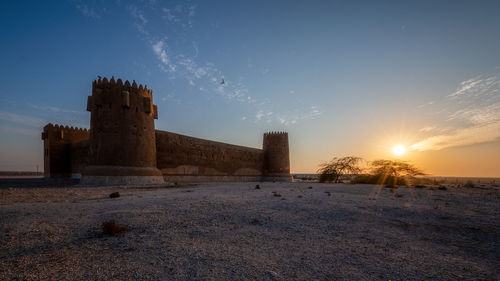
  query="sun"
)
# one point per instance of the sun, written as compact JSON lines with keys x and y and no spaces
{"x":399,"y":150}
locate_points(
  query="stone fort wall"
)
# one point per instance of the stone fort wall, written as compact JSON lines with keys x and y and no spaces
{"x":79,"y":156}
{"x":179,"y":157}
{"x":183,"y":157}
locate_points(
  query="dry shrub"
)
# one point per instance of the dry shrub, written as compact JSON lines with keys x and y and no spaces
{"x":469,"y":184}
{"x":257,"y":186}
{"x":338,"y":169}
{"x":114,"y":195}
{"x":111,"y":228}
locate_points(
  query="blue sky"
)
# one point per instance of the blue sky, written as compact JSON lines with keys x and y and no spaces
{"x":342,"y":77}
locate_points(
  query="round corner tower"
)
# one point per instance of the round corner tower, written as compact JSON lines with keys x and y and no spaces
{"x":122,"y":134}
{"x":276,"y":156}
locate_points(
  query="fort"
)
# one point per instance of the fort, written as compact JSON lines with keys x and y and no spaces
{"x":123,"y":147}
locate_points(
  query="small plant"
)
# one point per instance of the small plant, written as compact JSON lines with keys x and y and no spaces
{"x":310,"y":187}
{"x":255,"y":221}
{"x":276,"y":194}
{"x":300,"y":196}
{"x":328,"y":193}
{"x":257,"y":186}
{"x":442,"y":187}
{"x":111,"y":228}
{"x":469,"y":184}
{"x":114,"y":195}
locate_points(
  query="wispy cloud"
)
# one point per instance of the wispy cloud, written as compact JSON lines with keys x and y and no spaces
{"x":427,"y":128}
{"x":259,"y":115}
{"x":169,"y":14}
{"x":89,"y":11}
{"x":472,"y":115}
{"x":170,"y":98}
{"x":460,"y":137}
{"x":308,"y":113}
{"x":20,"y":131}
{"x":191,"y":13}
{"x":178,"y":58}
{"x":55,"y":109}
{"x":290,"y":118}
{"x":21,"y":119}
{"x":140,"y":20}
{"x":161,"y":53}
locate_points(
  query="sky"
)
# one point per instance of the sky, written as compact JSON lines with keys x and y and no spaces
{"x":341,"y":77}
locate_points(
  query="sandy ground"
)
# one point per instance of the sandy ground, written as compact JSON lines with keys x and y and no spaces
{"x":232,"y":231}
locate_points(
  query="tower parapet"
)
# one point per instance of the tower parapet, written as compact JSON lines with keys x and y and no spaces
{"x":276,"y":156}
{"x":122,"y":134}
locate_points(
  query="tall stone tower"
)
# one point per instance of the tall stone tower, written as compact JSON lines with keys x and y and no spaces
{"x":122,"y":134}
{"x":276,"y":156}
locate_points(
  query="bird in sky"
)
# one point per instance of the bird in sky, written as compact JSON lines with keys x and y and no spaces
{"x":222,"y":82}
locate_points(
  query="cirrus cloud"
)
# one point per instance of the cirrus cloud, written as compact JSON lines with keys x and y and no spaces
{"x":472,"y":115}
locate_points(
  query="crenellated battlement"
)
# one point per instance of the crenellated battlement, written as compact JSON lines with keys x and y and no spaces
{"x":67,"y":128}
{"x":61,"y":132}
{"x":279,"y":133}
{"x":122,"y":95}
{"x":119,"y":86}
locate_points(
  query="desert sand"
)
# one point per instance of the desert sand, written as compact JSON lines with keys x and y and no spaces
{"x":232,"y":231}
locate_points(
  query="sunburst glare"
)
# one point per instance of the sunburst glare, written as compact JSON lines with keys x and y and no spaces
{"x":399,"y":150}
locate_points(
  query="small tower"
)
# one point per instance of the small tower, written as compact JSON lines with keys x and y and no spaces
{"x":122,"y":134}
{"x":57,"y":142}
{"x":276,"y":156}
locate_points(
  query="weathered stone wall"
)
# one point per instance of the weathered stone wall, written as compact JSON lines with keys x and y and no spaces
{"x":180,"y":156}
{"x":79,"y":156}
{"x":57,"y":141}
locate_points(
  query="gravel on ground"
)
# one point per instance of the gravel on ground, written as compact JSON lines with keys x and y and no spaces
{"x":233,"y":231}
